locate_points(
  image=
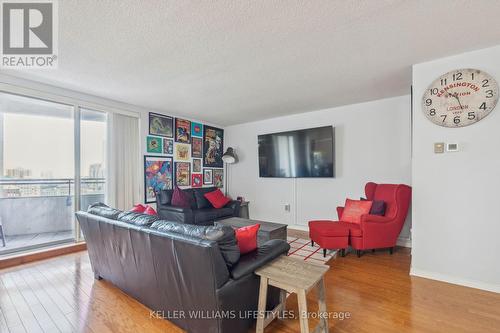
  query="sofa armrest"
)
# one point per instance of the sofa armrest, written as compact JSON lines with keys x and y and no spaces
{"x":235,"y":206}
{"x":340,"y":210}
{"x":374,"y":218}
{"x":265,"y":253}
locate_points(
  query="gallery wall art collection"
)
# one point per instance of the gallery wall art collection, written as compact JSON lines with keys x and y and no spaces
{"x":193,"y":155}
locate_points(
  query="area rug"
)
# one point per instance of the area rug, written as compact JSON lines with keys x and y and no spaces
{"x":301,"y":249}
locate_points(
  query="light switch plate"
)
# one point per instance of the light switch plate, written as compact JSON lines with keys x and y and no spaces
{"x":438,"y":147}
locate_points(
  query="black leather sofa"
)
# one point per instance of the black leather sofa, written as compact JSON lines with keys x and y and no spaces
{"x":201,"y":211}
{"x":192,"y":275}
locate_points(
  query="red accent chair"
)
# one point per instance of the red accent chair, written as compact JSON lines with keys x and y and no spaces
{"x":375,"y":232}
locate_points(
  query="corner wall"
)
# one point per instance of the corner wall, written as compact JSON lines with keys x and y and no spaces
{"x":372,"y":144}
{"x":456,"y":224}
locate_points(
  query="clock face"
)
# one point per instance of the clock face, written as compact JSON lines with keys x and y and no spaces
{"x":460,"y":98}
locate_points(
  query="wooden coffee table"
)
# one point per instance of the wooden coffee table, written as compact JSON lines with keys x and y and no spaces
{"x":294,"y":276}
{"x":267,"y":230}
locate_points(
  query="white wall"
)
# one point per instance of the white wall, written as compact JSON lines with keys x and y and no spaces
{"x":372,"y":144}
{"x":456,"y":223}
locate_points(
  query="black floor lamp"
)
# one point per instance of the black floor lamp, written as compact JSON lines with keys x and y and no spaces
{"x":229,"y":157}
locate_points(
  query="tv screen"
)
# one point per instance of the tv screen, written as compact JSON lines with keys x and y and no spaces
{"x":298,"y":154}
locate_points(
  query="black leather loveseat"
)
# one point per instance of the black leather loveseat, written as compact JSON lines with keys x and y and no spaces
{"x":201,"y":211}
{"x":192,"y":275}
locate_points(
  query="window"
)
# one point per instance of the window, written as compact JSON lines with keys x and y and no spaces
{"x":37,"y":169}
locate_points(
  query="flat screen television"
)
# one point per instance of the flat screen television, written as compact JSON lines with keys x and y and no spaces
{"x":303,"y":153}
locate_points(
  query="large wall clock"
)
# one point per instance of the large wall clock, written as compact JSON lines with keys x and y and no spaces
{"x":460,"y":98}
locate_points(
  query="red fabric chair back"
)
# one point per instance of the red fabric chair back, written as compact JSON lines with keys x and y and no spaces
{"x":396,"y":196}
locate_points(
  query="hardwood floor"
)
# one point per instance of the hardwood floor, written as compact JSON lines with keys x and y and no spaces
{"x":61,"y":295}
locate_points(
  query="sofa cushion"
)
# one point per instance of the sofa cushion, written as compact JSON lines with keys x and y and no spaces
{"x":224,"y":212}
{"x":199,"y":195}
{"x":217,"y":198}
{"x":247,"y":238}
{"x":139,"y":208}
{"x":329,"y":228}
{"x":223,"y":235}
{"x":165,"y":197}
{"x":353,"y":210}
{"x":378,"y":207}
{"x":104,"y":210}
{"x":150,"y":210}
{"x":137,"y":218}
{"x":180,"y":198}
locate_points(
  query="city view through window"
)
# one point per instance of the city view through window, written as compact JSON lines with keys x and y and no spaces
{"x":37,"y":169}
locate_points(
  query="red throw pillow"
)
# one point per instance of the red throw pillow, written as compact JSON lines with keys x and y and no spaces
{"x":139,"y":208}
{"x":353,"y":210}
{"x":149,"y":210}
{"x":247,"y":238}
{"x":217,"y":198}
{"x":180,"y":199}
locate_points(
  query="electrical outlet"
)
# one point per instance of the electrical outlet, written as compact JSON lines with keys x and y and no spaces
{"x":287,"y":207}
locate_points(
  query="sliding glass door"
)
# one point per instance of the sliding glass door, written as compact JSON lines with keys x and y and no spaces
{"x":41,"y":143}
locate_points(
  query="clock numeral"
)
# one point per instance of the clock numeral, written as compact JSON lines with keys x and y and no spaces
{"x":456,"y":120}
{"x":443,"y":82}
{"x":489,"y":93}
{"x":485,"y":83}
{"x":483,"y":106}
{"x":428,"y":102}
{"x":471,"y":116}
{"x":444,"y":117}
{"x":472,"y":76}
{"x":434,"y":91}
{"x":457,"y":77}
{"x":432,"y":112}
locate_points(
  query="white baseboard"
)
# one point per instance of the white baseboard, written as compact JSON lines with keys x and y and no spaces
{"x":454,"y":280}
{"x":404,"y":242}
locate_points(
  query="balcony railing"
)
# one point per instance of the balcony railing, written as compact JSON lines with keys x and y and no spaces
{"x":37,"y":212}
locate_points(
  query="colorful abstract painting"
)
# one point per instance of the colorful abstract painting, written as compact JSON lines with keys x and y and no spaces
{"x":161,"y":125}
{"x":196,"y":129}
{"x":208,"y":176}
{"x":168,"y":146}
{"x":182,"y":173}
{"x":154,"y":145}
{"x":196,"y":165}
{"x":219,"y":177}
{"x":182,"y":130}
{"x":213,"y":147}
{"x":196,"y":147}
{"x":158,"y":175}
{"x":182,"y":152}
{"x":196,"y":180}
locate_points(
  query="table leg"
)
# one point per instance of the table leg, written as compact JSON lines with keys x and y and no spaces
{"x":322,"y":305}
{"x":262,"y":305}
{"x":283,"y":302}
{"x":304,"y":325}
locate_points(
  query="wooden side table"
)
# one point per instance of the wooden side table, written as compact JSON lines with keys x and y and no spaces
{"x":294,"y":276}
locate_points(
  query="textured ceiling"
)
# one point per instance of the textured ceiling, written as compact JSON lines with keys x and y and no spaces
{"x":233,"y":61}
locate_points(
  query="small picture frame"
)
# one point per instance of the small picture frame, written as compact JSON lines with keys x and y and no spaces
{"x":182,"y":173}
{"x":154,"y":145}
{"x":196,"y":180}
{"x":218,"y":177}
{"x":161,"y":125}
{"x":196,"y":165}
{"x":168,"y":146}
{"x":208,"y":177}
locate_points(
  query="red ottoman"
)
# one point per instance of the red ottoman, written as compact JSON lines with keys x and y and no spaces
{"x":329,"y":235}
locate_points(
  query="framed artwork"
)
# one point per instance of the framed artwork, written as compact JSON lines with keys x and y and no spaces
{"x":154,"y":145}
{"x":196,"y":147}
{"x":182,"y":173}
{"x":182,"y":130}
{"x":218,"y":177}
{"x":168,"y":146}
{"x":208,"y":177}
{"x":196,"y":129}
{"x":161,"y":125}
{"x":182,"y":152}
{"x":196,"y":165}
{"x":158,"y":175}
{"x":196,"y":180}
{"x":213,"y":147}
